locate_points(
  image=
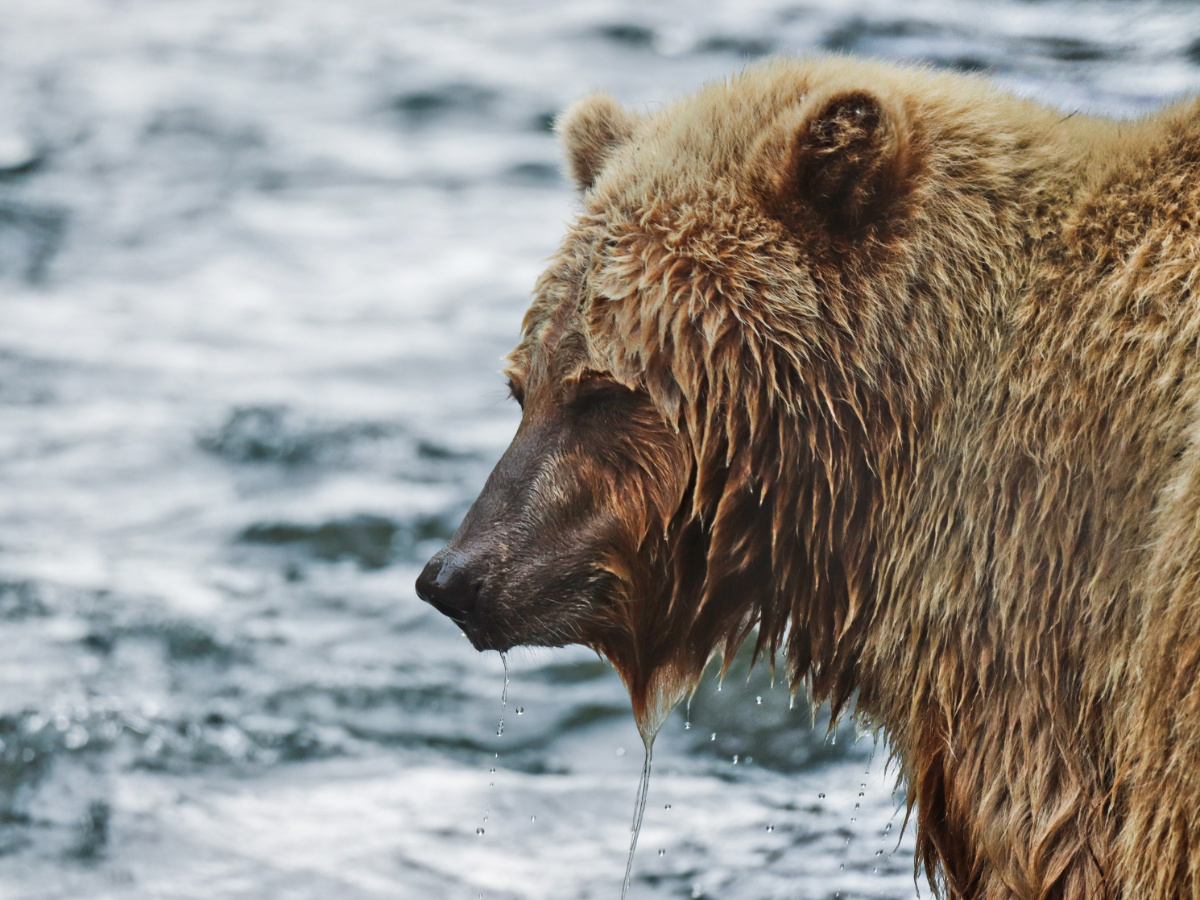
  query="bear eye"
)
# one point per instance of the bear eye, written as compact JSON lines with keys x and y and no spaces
{"x":516,"y":392}
{"x":596,"y":394}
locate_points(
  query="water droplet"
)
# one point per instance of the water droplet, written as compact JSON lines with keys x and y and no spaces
{"x":842,"y":867}
{"x":714,"y":736}
{"x":758,"y":701}
{"x":749,"y":759}
{"x":820,"y":796}
{"x":687,"y":726}
{"x":770,"y":828}
{"x":520,"y":710}
{"x":834,"y":741}
{"x":662,"y":851}
{"x":668,"y":806}
{"x":620,"y":751}
{"x":479,"y":831}
{"x":492,"y":770}
{"x":533,"y":818}
{"x":853,"y":819}
{"x":735,"y":759}
{"x":485,"y":818}
{"x":879,"y":853}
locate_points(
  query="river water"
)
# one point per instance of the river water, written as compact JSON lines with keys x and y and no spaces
{"x":258,"y":262}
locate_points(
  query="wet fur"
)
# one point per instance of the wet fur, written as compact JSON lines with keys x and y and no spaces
{"x":912,"y":371}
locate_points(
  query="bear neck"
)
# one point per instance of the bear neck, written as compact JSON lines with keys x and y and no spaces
{"x":1008,"y":509}
{"x":885,"y":430}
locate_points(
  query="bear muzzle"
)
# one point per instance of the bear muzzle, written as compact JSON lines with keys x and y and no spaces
{"x":454,"y":587}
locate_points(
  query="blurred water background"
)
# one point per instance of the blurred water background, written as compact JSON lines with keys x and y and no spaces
{"x":258,"y":261}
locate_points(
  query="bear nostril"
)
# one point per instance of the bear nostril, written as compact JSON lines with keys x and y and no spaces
{"x":449,"y":588}
{"x":427,"y":580}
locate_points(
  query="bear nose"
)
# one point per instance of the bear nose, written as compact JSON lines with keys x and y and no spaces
{"x":449,"y":587}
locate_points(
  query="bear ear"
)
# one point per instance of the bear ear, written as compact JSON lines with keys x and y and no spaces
{"x":847,"y":156}
{"x":590,"y":129}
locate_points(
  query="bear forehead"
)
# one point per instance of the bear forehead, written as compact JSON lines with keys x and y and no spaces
{"x":700,"y":146}
{"x":627,"y":283}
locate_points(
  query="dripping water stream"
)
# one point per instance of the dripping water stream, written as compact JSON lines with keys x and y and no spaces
{"x":503,"y":697}
{"x":639,"y":810}
{"x":480,"y":831}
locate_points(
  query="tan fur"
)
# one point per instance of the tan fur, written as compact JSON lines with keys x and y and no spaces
{"x":590,"y":130}
{"x":941,"y":417}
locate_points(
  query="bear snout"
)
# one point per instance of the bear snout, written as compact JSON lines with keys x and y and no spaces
{"x":450,"y":586}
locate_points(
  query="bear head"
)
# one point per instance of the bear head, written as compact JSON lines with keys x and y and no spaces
{"x":713,"y":390}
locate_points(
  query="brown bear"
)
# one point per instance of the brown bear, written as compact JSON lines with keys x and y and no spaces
{"x":899,"y":375}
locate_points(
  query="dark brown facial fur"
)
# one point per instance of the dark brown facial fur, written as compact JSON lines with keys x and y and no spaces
{"x":555,"y":549}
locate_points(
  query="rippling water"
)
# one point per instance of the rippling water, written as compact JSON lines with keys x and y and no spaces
{"x":258,"y":262}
